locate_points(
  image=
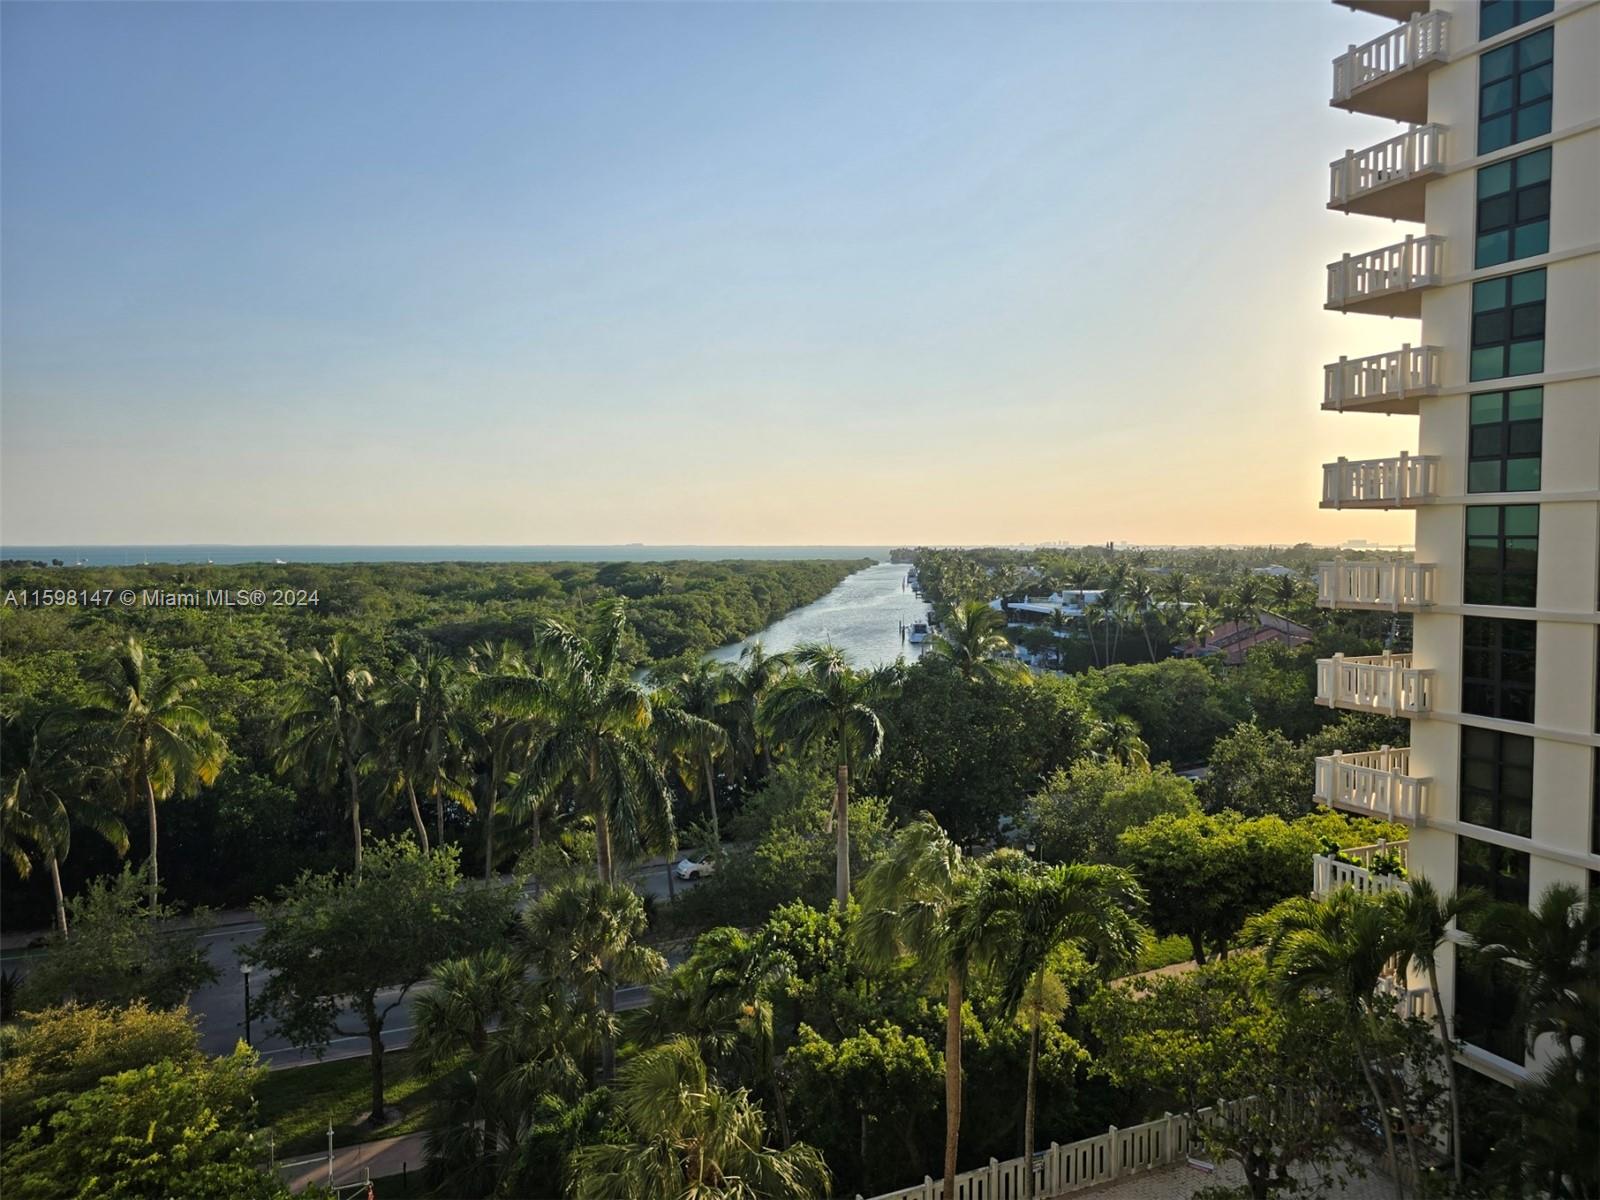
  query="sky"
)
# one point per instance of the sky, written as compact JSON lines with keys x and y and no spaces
{"x":713,"y":273}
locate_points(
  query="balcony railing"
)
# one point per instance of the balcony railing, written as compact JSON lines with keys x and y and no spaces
{"x":1389,"y":179}
{"x":1372,"y":784}
{"x":1398,"y":482}
{"x":1384,"y":683}
{"x":1391,"y":585}
{"x":1388,"y":281}
{"x":1390,"y":382}
{"x":1386,"y":77}
{"x":1329,"y":873}
{"x":1410,"y":1000}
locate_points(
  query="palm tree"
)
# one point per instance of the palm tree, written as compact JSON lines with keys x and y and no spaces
{"x":585,"y":939}
{"x":1118,"y":740}
{"x":1549,"y":950}
{"x":691,"y":716}
{"x":748,"y":685}
{"x":824,"y":704}
{"x":1287,"y":590}
{"x":1425,"y":917}
{"x":36,"y":816}
{"x":502,"y":740}
{"x":1338,"y":948}
{"x":422,"y":722}
{"x":1175,"y":589}
{"x":467,"y":998}
{"x":595,"y":724}
{"x":973,"y":641}
{"x":1022,"y":917}
{"x":395,"y":756}
{"x":914,"y":910}
{"x":1143,"y":597}
{"x":157,"y":744}
{"x":694,"y":1139}
{"x":328,"y":724}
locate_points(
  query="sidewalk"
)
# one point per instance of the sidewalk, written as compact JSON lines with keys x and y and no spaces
{"x":352,"y":1164}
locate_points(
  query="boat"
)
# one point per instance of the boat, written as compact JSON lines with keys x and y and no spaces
{"x":919,"y":633}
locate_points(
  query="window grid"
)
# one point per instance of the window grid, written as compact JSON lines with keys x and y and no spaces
{"x":1502,"y":561}
{"x":1514,"y":86}
{"x":1505,"y":441}
{"x":1513,"y":209}
{"x":1497,"y":780}
{"x":1508,"y":325}
{"x":1497,"y":667}
{"x":1497,"y":16}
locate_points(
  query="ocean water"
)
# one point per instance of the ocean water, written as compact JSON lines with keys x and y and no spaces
{"x":121,"y":556}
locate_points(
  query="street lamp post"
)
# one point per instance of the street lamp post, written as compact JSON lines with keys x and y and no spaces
{"x":244,"y":969}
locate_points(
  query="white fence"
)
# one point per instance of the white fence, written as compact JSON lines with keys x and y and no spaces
{"x":1115,"y":1154}
{"x":1384,"y":683}
{"x":1329,"y":873}
{"x":1390,"y":584}
{"x":1393,"y":375}
{"x":1424,"y":38}
{"x":1380,"y":482}
{"x":1418,"y":150}
{"x":1416,"y":262}
{"x":1373,"y":784}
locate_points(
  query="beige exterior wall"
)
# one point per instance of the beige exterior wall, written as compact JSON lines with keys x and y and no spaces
{"x":1569,"y":549}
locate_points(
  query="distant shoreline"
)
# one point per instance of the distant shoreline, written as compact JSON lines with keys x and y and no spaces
{"x":230,"y":555}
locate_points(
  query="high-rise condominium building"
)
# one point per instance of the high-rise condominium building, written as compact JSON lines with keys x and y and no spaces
{"x":1476,"y":239}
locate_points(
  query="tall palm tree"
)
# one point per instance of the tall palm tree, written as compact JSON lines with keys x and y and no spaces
{"x":595,"y":724}
{"x":36,"y":815}
{"x":691,"y":716}
{"x":586,"y":939}
{"x":158,"y":745}
{"x":1022,"y":917}
{"x":1143,"y":596}
{"x":502,"y":740}
{"x":1079,"y":578}
{"x":1338,"y":948}
{"x":693,"y":1139}
{"x":424,"y":727}
{"x":1425,"y":917}
{"x":824,"y":704}
{"x":914,"y":910}
{"x":328,"y":724}
{"x":1286,"y":588}
{"x":973,"y":641}
{"x":1118,"y":740}
{"x":395,"y":757}
{"x":1175,"y":588}
{"x":1549,"y":949}
{"x":748,"y":685}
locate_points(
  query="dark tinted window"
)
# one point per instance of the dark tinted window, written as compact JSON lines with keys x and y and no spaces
{"x":1497,"y":16}
{"x":1513,"y":209}
{"x":1497,"y":780}
{"x":1497,"y":667}
{"x":1486,"y":1008}
{"x":1514,"y":85}
{"x":1502,"y":564}
{"x":1505,"y":441}
{"x":1508,"y":325}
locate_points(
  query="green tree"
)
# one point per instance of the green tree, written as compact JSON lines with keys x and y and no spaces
{"x":691,"y":1139}
{"x":1182,"y":706}
{"x":334,"y":943}
{"x":596,"y":724}
{"x":327,"y":725}
{"x":502,"y":742}
{"x":36,"y":815}
{"x":116,"y":955}
{"x":158,"y":745}
{"x":914,"y":909}
{"x":587,"y":938}
{"x":973,"y":639}
{"x":1080,"y":812}
{"x":692,"y":715}
{"x":171,"y":1129}
{"x":1257,"y":772}
{"x":1022,"y":918}
{"x":824,"y":705}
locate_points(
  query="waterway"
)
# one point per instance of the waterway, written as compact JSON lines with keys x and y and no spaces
{"x":862,"y":616}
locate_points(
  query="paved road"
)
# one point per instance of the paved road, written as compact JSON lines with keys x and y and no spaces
{"x":220,"y":1007}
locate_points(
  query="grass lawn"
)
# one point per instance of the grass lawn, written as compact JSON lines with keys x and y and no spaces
{"x":300,"y":1102}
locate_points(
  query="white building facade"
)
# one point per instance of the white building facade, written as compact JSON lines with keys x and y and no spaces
{"x":1476,"y":228}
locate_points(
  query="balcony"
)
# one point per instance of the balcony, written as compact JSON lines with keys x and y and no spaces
{"x":1392,"y":586}
{"x":1328,"y":872}
{"x":1395,"y":10}
{"x":1400,"y":482}
{"x":1387,"y":282}
{"x":1384,"y":683}
{"x":1391,"y":382}
{"x":1389,"y":179}
{"x":1373,"y":784}
{"x":1410,"y":1001}
{"x":1388,"y":76}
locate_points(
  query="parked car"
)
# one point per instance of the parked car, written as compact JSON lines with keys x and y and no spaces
{"x":689,"y":868}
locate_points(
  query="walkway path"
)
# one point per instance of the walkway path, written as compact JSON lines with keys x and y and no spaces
{"x":1182,"y":1182}
{"x":351,"y":1164}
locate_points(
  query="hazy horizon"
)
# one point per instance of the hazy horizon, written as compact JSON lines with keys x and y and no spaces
{"x":524,"y":275}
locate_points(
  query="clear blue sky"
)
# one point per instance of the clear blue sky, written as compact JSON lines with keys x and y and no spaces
{"x":720,"y":273}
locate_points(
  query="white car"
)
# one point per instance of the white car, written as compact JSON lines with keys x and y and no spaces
{"x":689,"y":868}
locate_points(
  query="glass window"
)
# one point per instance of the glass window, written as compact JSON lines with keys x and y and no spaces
{"x":1497,"y":667}
{"x":1514,"y":83}
{"x":1497,"y":780}
{"x":1508,"y":325}
{"x":1497,"y":16}
{"x":1502,"y":564}
{"x":1514,"y":209}
{"x":1486,"y":1000}
{"x":1505,"y":440}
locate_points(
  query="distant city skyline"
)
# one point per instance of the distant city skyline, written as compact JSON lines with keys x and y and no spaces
{"x":718,"y":275}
